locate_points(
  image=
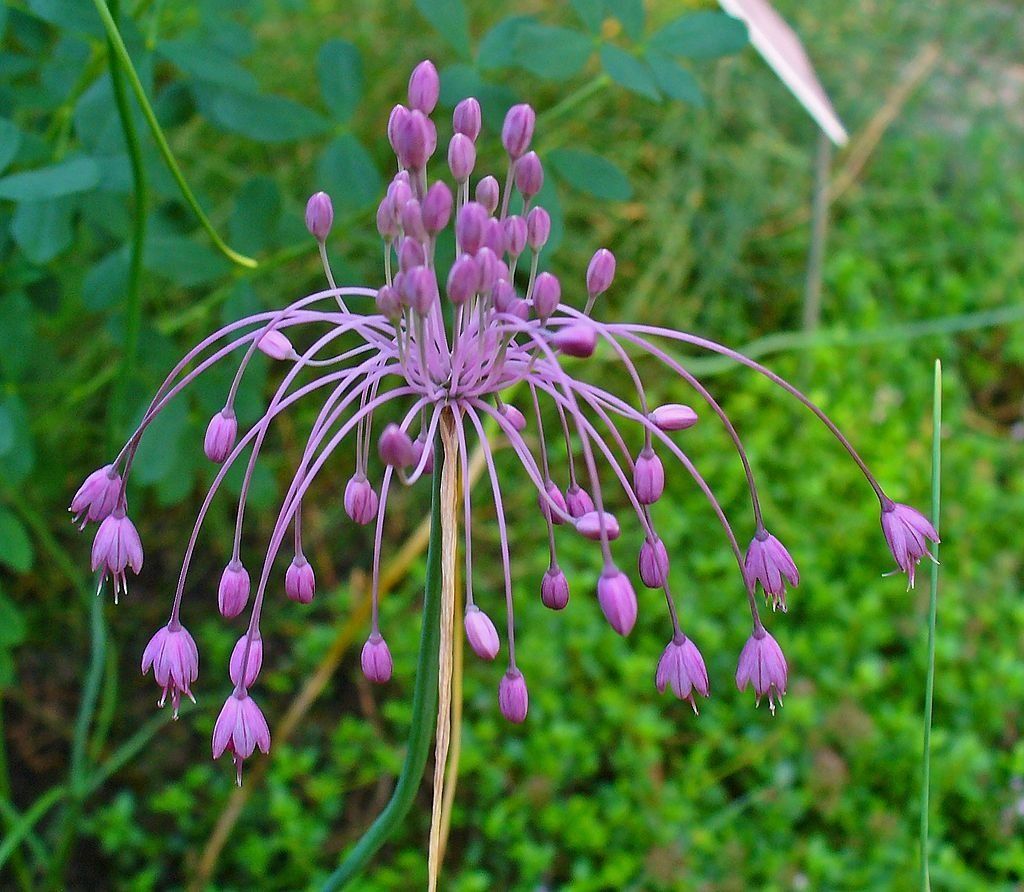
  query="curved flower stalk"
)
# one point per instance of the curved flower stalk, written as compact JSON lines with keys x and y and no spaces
{"x":452,"y":337}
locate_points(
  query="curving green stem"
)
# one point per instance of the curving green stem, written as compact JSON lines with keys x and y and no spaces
{"x":424,"y":707}
{"x":121,"y":51}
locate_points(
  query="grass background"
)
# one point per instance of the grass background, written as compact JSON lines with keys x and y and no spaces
{"x":607,"y":785}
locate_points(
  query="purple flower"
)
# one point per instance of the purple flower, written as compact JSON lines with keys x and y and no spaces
{"x":240,"y":728}
{"x":618,"y":600}
{"x":376,"y":659}
{"x":277,"y":346}
{"x":681,"y":667}
{"x":174,"y":658}
{"x":220,"y":435}
{"x":601,"y":272}
{"x":424,"y":87}
{"x":319,"y":215}
{"x":767,"y":562}
{"x":674,"y":417}
{"x":480,"y":632}
{"x":648,"y":477}
{"x":652,"y":563}
{"x":96,"y":497}
{"x":517,"y":131}
{"x":513,"y":698}
{"x":907,"y":532}
{"x":578,"y":501}
{"x":466,"y":118}
{"x":233,"y":591}
{"x":247,"y":652}
{"x":360,"y":500}
{"x":116,"y":547}
{"x":763,"y":664}
{"x":299,"y":581}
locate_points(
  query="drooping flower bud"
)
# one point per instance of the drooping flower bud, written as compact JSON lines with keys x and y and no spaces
{"x":360,"y":500}
{"x":515,"y":235}
{"x":487,"y":194}
{"x":466,"y":118}
{"x":461,"y":157}
{"x":578,"y":501}
{"x":652,"y":563}
{"x":513,"y":698}
{"x":463,"y":280}
{"x":577,"y":339}
{"x":240,"y":728}
{"x":299,"y":580}
{"x":514,"y":417}
{"x":96,"y":497}
{"x":395,"y":447}
{"x":389,"y":303}
{"x":413,"y":137}
{"x":375,"y":659}
{"x":554,"y":589}
{"x":648,"y":477}
{"x":682,"y":668}
{"x":252,"y":665}
{"x":220,"y":435}
{"x":481,"y":634}
{"x":547,"y":292}
{"x":116,"y":547}
{"x":233,"y":591}
{"x":275,"y":345}
{"x":529,"y":175}
{"x":538,"y":228}
{"x":319,"y":215}
{"x":469,"y":226}
{"x":768,"y":562}
{"x":419,"y":445}
{"x":517,"y":131}
{"x":907,"y":533}
{"x":763,"y":664}
{"x":424,"y":87}
{"x":554,"y":495}
{"x":437,"y":207}
{"x":600,"y":272}
{"x":618,"y":600}
{"x":173,"y":654}
{"x":673,"y":417}
{"x":589,"y":526}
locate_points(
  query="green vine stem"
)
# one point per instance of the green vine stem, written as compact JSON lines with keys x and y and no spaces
{"x":424,"y":701}
{"x":121,"y":52}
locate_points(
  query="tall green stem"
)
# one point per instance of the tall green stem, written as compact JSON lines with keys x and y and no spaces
{"x":119,"y":49}
{"x":424,"y":707}
{"x":926,"y":760}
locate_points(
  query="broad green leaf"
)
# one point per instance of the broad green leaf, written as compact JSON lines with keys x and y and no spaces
{"x":499,"y":47}
{"x":340,"y":70}
{"x":347,"y":172}
{"x":590,"y":12}
{"x":12,"y":623}
{"x":15,"y":546}
{"x":182,"y":260}
{"x":629,"y":71}
{"x":106,"y":282}
{"x":207,"y":63}
{"x":701,"y":35}
{"x":64,"y":178}
{"x":590,"y":173}
{"x":42,"y":229}
{"x":268,"y":119}
{"x":552,"y":52}
{"x":253,"y":223}
{"x":63,"y":66}
{"x":74,"y":15}
{"x":10,"y":141}
{"x":674,"y":80}
{"x":450,"y":20}
{"x":631,"y":15}
{"x":17,"y":462}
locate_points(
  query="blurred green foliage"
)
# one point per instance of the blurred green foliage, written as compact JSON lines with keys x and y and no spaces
{"x":606,"y":786}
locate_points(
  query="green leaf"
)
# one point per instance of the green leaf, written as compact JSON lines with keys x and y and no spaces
{"x":15,"y":546}
{"x":106,"y":282}
{"x":269,"y":119}
{"x":75,"y":15}
{"x":701,"y":35}
{"x":42,"y":229}
{"x":18,"y":460}
{"x":499,"y":47}
{"x":590,"y":12}
{"x":182,"y":260}
{"x":630,"y":13}
{"x":552,"y":52}
{"x":629,"y":71}
{"x":674,"y":80}
{"x":17,"y":336}
{"x":207,"y":63}
{"x":348,"y":173}
{"x":7,"y":432}
{"x":253,"y":222}
{"x":64,"y":178}
{"x":340,"y":70}
{"x":590,"y":173}
{"x":12,"y":623}
{"x":10,"y":142}
{"x":450,"y":20}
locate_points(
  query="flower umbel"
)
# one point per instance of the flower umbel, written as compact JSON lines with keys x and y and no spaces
{"x":460,"y":337}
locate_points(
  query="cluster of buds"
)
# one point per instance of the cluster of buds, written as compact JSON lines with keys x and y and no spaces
{"x":453,"y":338}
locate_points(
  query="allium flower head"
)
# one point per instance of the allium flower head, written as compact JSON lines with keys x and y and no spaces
{"x":469,"y":343}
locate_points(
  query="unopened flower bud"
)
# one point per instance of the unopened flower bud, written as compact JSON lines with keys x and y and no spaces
{"x":487,"y":193}
{"x":419,"y":446}
{"x":220,"y":435}
{"x":412,"y":220}
{"x":513,"y":698}
{"x":420,"y":289}
{"x":514,"y":417}
{"x":463,"y":280}
{"x":577,"y":339}
{"x":299,"y":580}
{"x":395,"y":447}
{"x":589,"y":525}
{"x":600,"y":272}
{"x":461,"y":157}
{"x":437,"y":207}
{"x":673,"y":417}
{"x":547,"y":292}
{"x":469,"y":226}
{"x":233,"y":591}
{"x":487,"y":264}
{"x":387,"y":224}
{"x":520,"y":309}
{"x":481,"y":634}
{"x":494,"y":236}
{"x":554,"y":589}
{"x":319,"y":215}
{"x":517,"y":131}
{"x":538,"y":228}
{"x":529,"y":175}
{"x":360,"y":500}
{"x":515,"y":235}
{"x":252,"y":665}
{"x":414,"y":136}
{"x":375,"y":659}
{"x":504,"y":296}
{"x":618,"y":600}
{"x":410,"y":254}
{"x":277,"y":346}
{"x":389,"y":303}
{"x":648,"y":477}
{"x":395,"y":120}
{"x":652,"y":563}
{"x":399,"y":191}
{"x":466,"y":118}
{"x":424,"y":87}
{"x":554,"y":496}
{"x":578,"y":501}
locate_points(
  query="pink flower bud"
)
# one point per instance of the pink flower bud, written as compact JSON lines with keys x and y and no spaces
{"x":554,"y":495}
{"x":504,"y":296}
{"x":418,"y":447}
{"x":514,"y":417}
{"x":578,"y":501}
{"x":618,"y":600}
{"x":299,"y":581}
{"x":220,"y":435}
{"x":399,"y":191}
{"x":461,"y":157}
{"x":600,"y":272}
{"x":515,"y":235}
{"x":487,"y":193}
{"x":529,"y":175}
{"x":494,"y":236}
{"x":413,"y":136}
{"x":424,"y":87}
{"x":389,"y":303}
{"x":481,"y":634}
{"x":233,"y":591}
{"x":420,"y":289}
{"x":763,"y":664}
{"x":577,"y":339}
{"x":412,"y":220}
{"x":487,"y":264}
{"x":410,"y":254}
{"x":517,"y":131}
{"x":437,"y":207}
{"x":395,"y":120}
{"x":513,"y":698}
{"x":589,"y":526}
{"x":386,"y":223}
{"x":395,"y":447}
{"x":277,"y":346}
{"x":463,"y":280}
{"x":174,"y":658}
{"x":547,"y":292}
{"x":96,"y":497}
{"x":653,"y":563}
{"x":554,"y":589}
{"x":673,"y":417}
{"x":252,"y":665}
{"x":648,"y":477}
{"x":360,"y":500}
{"x":240,"y":728}
{"x":319,"y":215}
{"x":469,"y":226}
{"x":682,"y":668}
{"x":466,"y":118}
{"x":376,"y":660}
{"x":538,"y":228}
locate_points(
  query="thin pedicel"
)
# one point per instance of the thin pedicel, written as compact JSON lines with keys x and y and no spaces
{"x":457,"y":344}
